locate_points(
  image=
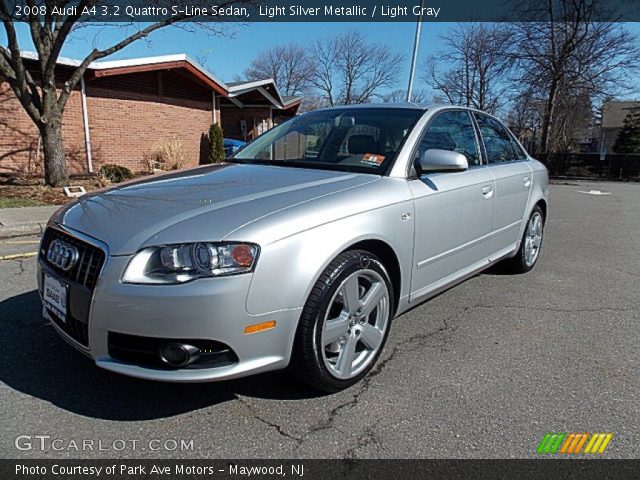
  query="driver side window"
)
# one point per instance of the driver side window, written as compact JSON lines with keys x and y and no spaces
{"x":451,"y":131}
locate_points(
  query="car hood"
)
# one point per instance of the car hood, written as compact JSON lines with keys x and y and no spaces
{"x":200,"y":204}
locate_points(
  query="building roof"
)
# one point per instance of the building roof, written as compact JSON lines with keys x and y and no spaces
{"x":103,"y":68}
{"x":244,"y":84}
{"x":290,"y":100}
{"x":614,"y":113}
{"x":284,"y":101}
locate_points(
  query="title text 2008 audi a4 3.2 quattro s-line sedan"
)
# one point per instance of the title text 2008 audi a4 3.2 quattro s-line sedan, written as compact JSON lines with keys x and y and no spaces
{"x":299,"y":252}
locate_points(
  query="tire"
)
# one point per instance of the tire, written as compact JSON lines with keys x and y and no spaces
{"x":526,"y":258}
{"x":344,"y":323}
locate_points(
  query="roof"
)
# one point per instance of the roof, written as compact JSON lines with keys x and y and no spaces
{"x":238,"y":88}
{"x":412,"y":106}
{"x":244,"y":84}
{"x":290,"y":100}
{"x":162,"y":59}
{"x":102,"y":68}
{"x":614,"y":113}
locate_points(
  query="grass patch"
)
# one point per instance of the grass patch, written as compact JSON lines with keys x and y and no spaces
{"x":6,"y":202}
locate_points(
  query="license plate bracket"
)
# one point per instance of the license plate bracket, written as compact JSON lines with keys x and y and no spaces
{"x":54,"y":296}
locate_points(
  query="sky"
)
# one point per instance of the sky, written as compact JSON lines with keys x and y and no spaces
{"x":227,"y":56}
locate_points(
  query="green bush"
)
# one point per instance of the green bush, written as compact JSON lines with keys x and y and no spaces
{"x":628,"y":140}
{"x":115,"y":173}
{"x":216,"y":144}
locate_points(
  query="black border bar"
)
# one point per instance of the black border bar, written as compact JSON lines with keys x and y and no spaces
{"x":248,"y":11}
{"x":600,"y":469}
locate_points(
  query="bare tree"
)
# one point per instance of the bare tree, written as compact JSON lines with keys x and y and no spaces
{"x":290,"y":66}
{"x":400,"y":96}
{"x":523,"y":117}
{"x":351,"y":70}
{"x":473,"y":66}
{"x":42,"y":96}
{"x":570,"y":52}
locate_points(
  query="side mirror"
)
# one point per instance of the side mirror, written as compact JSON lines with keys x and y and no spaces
{"x":435,"y":160}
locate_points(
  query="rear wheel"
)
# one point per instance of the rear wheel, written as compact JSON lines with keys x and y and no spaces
{"x":530,"y":245}
{"x":344,"y":323}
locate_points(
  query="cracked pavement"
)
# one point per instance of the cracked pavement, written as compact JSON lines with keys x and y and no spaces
{"x":483,"y":370}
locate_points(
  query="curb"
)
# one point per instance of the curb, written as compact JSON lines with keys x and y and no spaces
{"x":22,"y":230}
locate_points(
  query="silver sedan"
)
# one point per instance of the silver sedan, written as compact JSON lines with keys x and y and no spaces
{"x":297,"y":253}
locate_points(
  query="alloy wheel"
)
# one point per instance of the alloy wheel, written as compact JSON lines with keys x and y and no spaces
{"x":533,"y":239}
{"x":355,"y":324}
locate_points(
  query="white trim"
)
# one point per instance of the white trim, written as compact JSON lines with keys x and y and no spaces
{"x":213,"y":106}
{"x":135,"y":62}
{"x":85,"y":124}
{"x":293,"y":101}
{"x":235,"y":101}
{"x":250,"y":85}
{"x":69,"y":62}
{"x":236,"y":90}
{"x":276,"y":103}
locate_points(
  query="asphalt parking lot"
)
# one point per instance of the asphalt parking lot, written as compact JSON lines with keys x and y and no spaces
{"x":482,"y":371}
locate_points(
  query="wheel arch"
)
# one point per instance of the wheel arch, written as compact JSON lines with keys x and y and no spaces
{"x":389,"y":259}
{"x":542,"y":203}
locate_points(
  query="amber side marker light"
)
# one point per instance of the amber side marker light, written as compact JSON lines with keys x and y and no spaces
{"x":259,"y":327}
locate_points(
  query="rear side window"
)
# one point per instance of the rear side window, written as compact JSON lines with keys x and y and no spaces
{"x":520,"y":154}
{"x":452,"y":131}
{"x":498,"y":143}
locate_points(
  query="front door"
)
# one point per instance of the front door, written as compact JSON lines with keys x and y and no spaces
{"x":453,"y":210}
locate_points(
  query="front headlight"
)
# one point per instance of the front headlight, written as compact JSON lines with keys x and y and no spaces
{"x":186,"y":262}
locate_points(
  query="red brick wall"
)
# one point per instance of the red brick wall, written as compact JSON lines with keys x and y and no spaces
{"x":124,"y":126}
{"x":18,"y":134}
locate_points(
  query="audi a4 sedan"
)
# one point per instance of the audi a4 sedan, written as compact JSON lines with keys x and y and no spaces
{"x":299,"y":252}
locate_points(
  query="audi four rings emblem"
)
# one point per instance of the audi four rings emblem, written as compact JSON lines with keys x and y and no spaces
{"x":62,"y":255}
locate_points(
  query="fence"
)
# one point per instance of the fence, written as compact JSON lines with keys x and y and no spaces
{"x":613,"y":167}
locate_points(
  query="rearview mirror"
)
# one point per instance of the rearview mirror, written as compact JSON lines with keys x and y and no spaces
{"x":436,"y":160}
{"x":344,"y":122}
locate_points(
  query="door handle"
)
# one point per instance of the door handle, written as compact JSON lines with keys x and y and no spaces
{"x":487,"y":191}
{"x":526,"y":181}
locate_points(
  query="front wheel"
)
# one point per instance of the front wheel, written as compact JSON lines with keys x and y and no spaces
{"x":344,"y":323}
{"x":530,"y":245}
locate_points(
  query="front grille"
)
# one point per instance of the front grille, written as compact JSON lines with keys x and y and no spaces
{"x":80,"y":280}
{"x":144,"y":351}
{"x":89,"y":263}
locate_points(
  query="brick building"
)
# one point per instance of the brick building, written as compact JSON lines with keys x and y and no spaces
{"x":123,"y":108}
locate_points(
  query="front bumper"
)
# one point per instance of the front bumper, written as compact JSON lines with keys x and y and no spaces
{"x":210,"y":309}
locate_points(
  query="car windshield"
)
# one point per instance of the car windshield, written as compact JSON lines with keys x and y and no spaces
{"x":363,"y":140}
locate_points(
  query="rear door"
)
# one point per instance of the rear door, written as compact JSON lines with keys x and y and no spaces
{"x":510,"y":168}
{"x":453,"y":210}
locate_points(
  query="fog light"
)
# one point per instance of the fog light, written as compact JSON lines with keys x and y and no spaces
{"x":178,"y":354}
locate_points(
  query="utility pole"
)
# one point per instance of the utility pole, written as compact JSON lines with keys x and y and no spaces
{"x":414,"y":58}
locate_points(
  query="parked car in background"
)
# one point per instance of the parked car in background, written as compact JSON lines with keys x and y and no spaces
{"x":299,"y":252}
{"x":231,"y":147}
